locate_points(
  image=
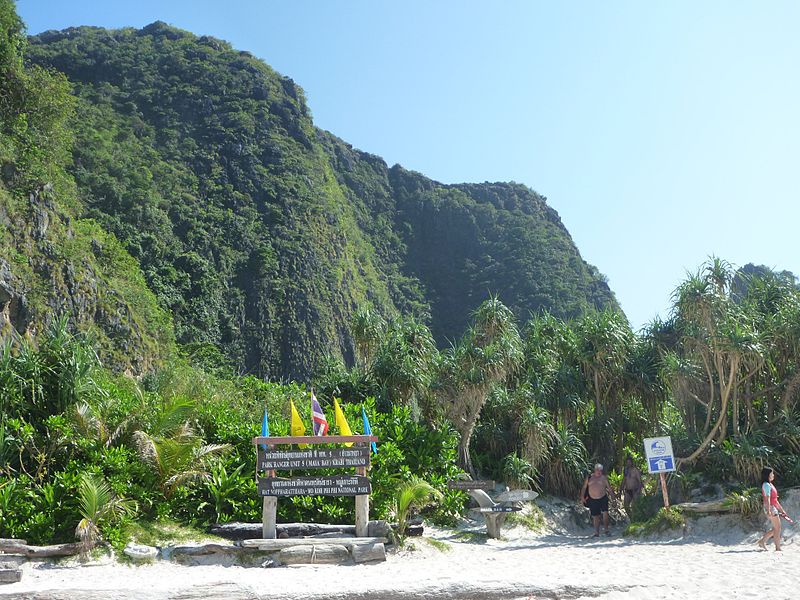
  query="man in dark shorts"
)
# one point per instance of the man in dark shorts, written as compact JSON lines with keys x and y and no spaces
{"x":595,"y":493}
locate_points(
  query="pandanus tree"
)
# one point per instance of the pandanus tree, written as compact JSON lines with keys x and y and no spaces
{"x":605,"y":341}
{"x":489,"y":352}
{"x":367,"y":328}
{"x":717,"y":333}
{"x":403,"y":363}
{"x":551,"y":369}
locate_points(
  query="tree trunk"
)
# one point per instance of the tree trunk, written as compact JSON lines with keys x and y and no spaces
{"x":722,"y":417}
{"x":792,"y":387}
{"x":463,"y":453}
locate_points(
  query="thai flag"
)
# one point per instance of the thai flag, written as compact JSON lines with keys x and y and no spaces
{"x":318,"y":420}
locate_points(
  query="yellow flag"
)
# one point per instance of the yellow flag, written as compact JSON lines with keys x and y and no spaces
{"x":341,"y":422}
{"x":297,"y":426}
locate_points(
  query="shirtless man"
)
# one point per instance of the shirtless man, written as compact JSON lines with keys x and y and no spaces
{"x":598,"y":489}
{"x":631,"y":484}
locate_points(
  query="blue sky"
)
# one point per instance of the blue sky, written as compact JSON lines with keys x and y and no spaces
{"x":662,"y":132}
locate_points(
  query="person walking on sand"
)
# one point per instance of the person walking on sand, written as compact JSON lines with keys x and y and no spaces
{"x":632,"y":484}
{"x":595,"y":493}
{"x":772,"y":508}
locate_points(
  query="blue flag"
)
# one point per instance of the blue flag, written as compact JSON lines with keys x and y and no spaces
{"x":264,"y":429}
{"x":368,"y":429}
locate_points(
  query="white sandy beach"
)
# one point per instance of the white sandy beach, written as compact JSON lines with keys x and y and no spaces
{"x":717,"y":558}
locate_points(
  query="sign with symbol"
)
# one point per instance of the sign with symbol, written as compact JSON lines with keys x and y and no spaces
{"x":660,"y":458}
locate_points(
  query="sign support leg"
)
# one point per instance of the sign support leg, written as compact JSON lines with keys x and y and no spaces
{"x":362,"y":509}
{"x":269,"y":516}
{"x":269,"y":513}
{"x":664,"y":489}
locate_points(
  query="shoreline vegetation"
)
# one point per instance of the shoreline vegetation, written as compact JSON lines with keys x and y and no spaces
{"x":157,"y":449}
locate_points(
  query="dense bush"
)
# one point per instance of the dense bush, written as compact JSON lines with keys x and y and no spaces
{"x":178,"y":444}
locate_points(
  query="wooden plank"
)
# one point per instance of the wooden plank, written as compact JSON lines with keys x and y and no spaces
{"x":10,"y":575}
{"x":279,"y":544}
{"x":313,"y":458}
{"x":248,"y":531}
{"x":330,"y":554}
{"x":369,"y":553}
{"x":331,"y":485}
{"x":470,"y":484}
{"x":500,"y":508}
{"x":517,"y":496}
{"x":316,"y":439}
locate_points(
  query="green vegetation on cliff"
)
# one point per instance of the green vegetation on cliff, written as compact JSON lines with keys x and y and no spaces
{"x":51,"y":260}
{"x":262,"y":234}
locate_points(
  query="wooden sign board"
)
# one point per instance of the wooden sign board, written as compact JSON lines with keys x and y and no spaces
{"x":335,"y":485}
{"x":469,"y":484}
{"x":313,"y":458}
{"x":497,"y":509}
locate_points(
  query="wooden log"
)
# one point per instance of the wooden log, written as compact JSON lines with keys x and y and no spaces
{"x":10,"y":575}
{"x":314,"y":554}
{"x":369,"y":553}
{"x":248,"y":531}
{"x":13,"y":541}
{"x":270,"y":545}
{"x":41,"y":551}
{"x":207,"y":549}
{"x":378,"y":529}
{"x":713,"y":507}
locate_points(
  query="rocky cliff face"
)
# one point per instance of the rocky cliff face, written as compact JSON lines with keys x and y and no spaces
{"x":260,"y":233}
{"x":52,"y":264}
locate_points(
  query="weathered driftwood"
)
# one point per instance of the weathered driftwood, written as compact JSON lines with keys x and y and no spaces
{"x":13,"y":541}
{"x":247,"y":531}
{"x":41,"y":551}
{"x":369,"y":552}
{"x":314,"y":554}
{"x":207,"y":549}
{"x":270,"y":545}
{"x":713,"y":507}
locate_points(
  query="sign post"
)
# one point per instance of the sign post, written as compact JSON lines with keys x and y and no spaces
{"x":661,"y":460}
{"x":270,"y":460}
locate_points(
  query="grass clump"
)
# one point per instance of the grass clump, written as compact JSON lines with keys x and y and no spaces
{"x":438,"y":544}
{"x":165,"y":533}
{"x":664,"y":520}
{"x":532,"y":520}
{"x":746,"y":502}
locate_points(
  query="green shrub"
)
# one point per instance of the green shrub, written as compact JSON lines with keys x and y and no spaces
{"x":746,"y":502}
{"x":664,"y":520}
